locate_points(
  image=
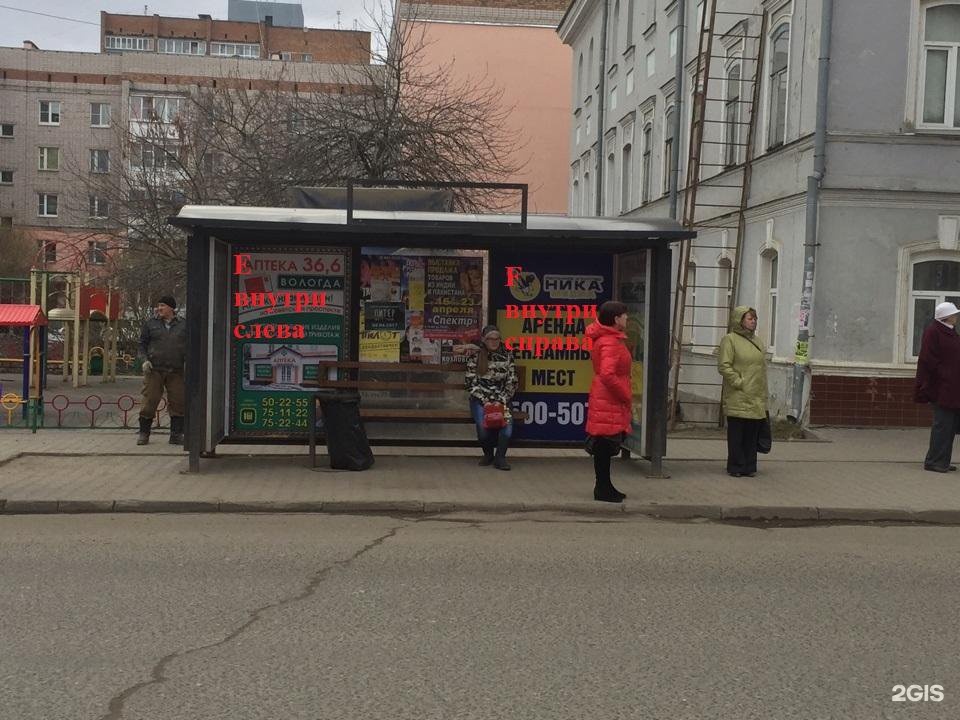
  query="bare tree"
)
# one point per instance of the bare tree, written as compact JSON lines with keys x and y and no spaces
{"x":17,"y":253}
{"x":245,"y":142}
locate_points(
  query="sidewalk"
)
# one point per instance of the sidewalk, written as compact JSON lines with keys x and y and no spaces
{"x":849,"y":475}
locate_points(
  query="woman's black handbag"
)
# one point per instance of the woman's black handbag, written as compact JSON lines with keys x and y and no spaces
{"x":765,"y":438}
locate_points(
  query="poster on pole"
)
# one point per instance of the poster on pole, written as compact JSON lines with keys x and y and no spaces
{"x":289,"y":312}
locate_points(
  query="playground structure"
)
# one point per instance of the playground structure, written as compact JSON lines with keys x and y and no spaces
{"x":32,"y":319}
{"x":83,"y":304}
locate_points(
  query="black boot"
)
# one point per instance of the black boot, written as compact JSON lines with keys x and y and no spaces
{"x":500,"y":461}
{"x":603,"y":490}
{"x":487,"y":458}
{"x":176,"y":430}
{"x":143,"y":437}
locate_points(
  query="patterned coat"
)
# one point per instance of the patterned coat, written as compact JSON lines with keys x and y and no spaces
{"x":500,"y":381}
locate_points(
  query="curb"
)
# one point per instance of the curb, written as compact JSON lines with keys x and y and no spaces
{"x":751,"y":513}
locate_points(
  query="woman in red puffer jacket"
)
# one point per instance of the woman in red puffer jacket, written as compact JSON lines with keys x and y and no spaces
{"x":609,"y":413}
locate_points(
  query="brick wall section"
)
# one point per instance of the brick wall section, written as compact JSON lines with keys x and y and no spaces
{"x":866,"y":401}
{"x":328,"y":46}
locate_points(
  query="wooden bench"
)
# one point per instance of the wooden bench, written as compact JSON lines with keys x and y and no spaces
{"x":412,"y":380}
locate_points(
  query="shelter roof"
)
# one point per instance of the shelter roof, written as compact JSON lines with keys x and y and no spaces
{"x":464,"y":224}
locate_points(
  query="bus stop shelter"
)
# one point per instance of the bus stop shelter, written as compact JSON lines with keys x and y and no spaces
{"x":411,"y":287}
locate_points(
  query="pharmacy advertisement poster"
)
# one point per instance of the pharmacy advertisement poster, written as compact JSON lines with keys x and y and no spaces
{"x":289,"y":313}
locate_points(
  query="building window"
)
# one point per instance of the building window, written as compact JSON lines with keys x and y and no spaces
{"x":626,"y":184}
{"x":932,"y":282}
{"x":99,"y":114}
{"x":610,"y":190}
{"x":770,"y":269}
{"x":690,"y":306}
{"x":148,"y":156}
{"x":579,"y":97}
{"x":121,"y":42}
{"x":99,"y":161}
{"x":307,"y":57}
{"x":99,"y":207}
{"x":724,"y":296}
{"x":668,"y":148}
{"x":48,"y":158}
{"x":6,"y":130}
{"x":590,"y":68}
{"x":589,"y":125}
{"x":49,"y":251}
{"x":777,"y":88}
{"x":700,"y":15}
{"x":628,"y":81}
{"x":673,"y":42}
{"x":614,"y":31}
{"x":176,"y":46}
{"x":630,"y":21}
{"x":731,"y":117}
{"x":940,"y":62}
{"x":575,"y":198}
{"x":577,"y":136}
{"x":646,"y":166}
{"x":155,"y":109}
{"x":49,"y":112}
{"x":613,"y":98}
{"x":96,"y":252}
{"x":6,"y":177}
{"x":651,"y":63}
{"x":587,"y":208}
{"x":241,"y":50}
{"x":46,"y":205}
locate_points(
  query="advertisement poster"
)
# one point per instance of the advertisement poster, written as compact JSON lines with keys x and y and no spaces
{"x":425,"y":302}
{"x":556,"y":384}
{"x":273,"y":369}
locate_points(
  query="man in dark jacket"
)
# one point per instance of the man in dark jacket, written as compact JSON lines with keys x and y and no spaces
{"x":938,"y":383}
{"x":163,"y":349}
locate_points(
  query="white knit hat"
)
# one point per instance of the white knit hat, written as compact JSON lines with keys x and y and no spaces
{"x":945,"y":310}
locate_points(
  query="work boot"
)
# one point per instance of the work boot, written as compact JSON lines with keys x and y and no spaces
{"x":143,"y":437}
{"x":176,"y":430}
{"x":500,"y":461}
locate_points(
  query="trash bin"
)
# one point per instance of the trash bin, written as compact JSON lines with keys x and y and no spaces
{"x":347,"y":443}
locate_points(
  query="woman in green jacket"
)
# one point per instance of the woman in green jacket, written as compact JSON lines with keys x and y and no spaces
{"x":743,"y":363}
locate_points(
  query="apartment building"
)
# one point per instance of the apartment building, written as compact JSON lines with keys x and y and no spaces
{"x":59,"y":111}
{"x":888,"y":235}
{"x":514,"y":45}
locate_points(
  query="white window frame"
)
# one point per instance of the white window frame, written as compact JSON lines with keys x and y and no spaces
{"x":672,"y":41}
{"x":626,"y":170}
{"x":137,"y":43}
{"x":628,"y":82}
{"x":95,"y":157}
{"x":779,"y":19}
{"x":96,"y":252}
{"x":611,"y":190}
{"x":613,"y":98}
{"x":646,"y":160}
{"x":651,"y":63}
{"x":250,"y":51}
{"x":53,"y":108}
{"x":666,"y":160}
{"x":767,"y":295}
{"x":44,"y":155}
{"x":724,"y":294}
{"x":734,"y":62}
{"x":910,"y":257}
{"x":103,"y":114}
{"x":918,"y":70}
{"x":181,"y":46}
{"x":155,"y":108}
{"x":43,"y":204}
{"x":96,"y":207}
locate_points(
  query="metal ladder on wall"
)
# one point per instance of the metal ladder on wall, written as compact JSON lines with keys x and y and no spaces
{"x":716,"y":203}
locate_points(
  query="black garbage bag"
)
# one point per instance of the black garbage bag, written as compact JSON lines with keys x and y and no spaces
{"x":347,"y":443}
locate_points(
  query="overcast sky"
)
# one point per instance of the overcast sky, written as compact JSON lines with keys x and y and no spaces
{"x":55,"y":34}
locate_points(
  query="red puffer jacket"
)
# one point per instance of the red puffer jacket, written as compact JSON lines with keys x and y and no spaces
{"x":610,"y":393}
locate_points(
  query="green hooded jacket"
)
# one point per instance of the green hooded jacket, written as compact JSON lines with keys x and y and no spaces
{"x":743,"y":363}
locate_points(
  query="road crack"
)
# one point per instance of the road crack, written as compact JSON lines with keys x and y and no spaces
{"x":117,"y":703}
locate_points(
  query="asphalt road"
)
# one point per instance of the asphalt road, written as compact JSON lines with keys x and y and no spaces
{"x":326,"y":617}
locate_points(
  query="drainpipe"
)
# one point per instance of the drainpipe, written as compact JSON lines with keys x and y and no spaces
{"x":801,"y":366}
{"x":677,"y":109}
{"x":600,"y":165}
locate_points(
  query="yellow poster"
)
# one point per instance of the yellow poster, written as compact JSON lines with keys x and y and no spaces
{"x":415,"y":288}
{"x":380,"y":346}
